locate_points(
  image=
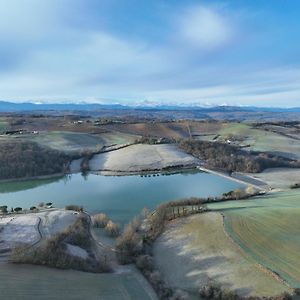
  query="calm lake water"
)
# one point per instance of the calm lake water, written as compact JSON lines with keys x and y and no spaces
{"x":121,"y":197}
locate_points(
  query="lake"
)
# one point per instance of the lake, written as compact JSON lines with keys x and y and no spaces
{"x":120,"y":197}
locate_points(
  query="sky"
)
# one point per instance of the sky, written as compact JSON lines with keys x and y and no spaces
{"x":142,"y":52}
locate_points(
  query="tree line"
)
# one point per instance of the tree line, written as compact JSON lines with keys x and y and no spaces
{"x":19,"y":159}
{"x":231,"y":158}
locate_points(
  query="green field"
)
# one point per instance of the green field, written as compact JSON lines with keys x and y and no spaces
{"x":3,"y":124}
{"x":268,"y":229}
{"x":40,"y":283}
{"x":23,"y":185}
{"x":204,"y":253}
{"x":261,"y":140}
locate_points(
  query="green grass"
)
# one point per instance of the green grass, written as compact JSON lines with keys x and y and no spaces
{"x":22,"y":185}
{"x":204,"y":252}
{"x":261,"y":140}
{"x":268,"y":229}
{"x":3,"y":124}
{"x":40,"y":283}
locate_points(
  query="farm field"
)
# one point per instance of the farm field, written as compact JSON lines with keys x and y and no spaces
{"x":268,"y":229}
{"x":142,"y":157}
{"x":74,"y":141}
{"x":34,"y":282}
{"x":23,"y":185}
{"x":157,"y":129}
{"x":278,"y":178}
{"x":3,"y":124}
{"x":261,"y":140}
{"x":199,"y":245}
{"x":270,"y":234}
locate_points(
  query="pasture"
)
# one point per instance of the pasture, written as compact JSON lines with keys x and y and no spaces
{"x":34,"y":282}
{"x":261,"y":140}
{"x":142,"y":157}
{"x":269,"y":231}
{"x":75,"y":141}
{"x":3,"y":124}
{"x":195,"y":251}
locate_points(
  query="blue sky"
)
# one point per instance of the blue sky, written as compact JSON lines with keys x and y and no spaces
{"x":238,"y":52}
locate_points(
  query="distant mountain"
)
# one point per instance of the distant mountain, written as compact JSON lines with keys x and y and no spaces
{"x":6,"y":106}
{"x":28,"y":106}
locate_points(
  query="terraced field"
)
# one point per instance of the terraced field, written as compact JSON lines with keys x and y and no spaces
{"x":268,"y":230}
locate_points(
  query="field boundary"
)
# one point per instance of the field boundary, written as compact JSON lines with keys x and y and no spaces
{"x":260,"y":266}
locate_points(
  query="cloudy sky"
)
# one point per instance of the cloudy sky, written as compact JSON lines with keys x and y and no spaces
{"x":234,"y":52}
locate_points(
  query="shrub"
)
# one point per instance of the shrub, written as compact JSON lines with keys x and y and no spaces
{"x":180,"y":295}
{"x":74,"y":207}
{"x":3,"y":209}
{"x":145,"y":263}
{"x":129,"y":244}
{"x":215,"y":292}
{"x":100,"y":220}
{"x":112,"y":229}
{"x":52,"y":252}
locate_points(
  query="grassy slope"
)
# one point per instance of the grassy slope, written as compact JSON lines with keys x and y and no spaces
{"x":268,"y":229}
{"x":40,"y":283}
{"x":22,"y":185}
{"x":200,"y":247}
{"x":72,"y":141}
{"x":261,"y":140}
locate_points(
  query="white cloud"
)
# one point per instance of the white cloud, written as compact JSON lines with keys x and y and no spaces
{"x":205,"y":28}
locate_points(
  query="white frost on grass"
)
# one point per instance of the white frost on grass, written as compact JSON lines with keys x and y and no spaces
{"x":5,"y":220}
{"x":54,"y":221}
{"x":77,"y":251}
{"x":279,"y":178}
{"x":142,"y":157}
{"x":22,"y":229}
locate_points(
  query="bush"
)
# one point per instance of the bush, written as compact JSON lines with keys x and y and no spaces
{"x":18,"y":209}
{"x":100,"y":220}
{"x":112,"y":229}
{"x":129,"y":244}
{"x":3,"y":209}
{"x":215,"y":292}
{"x":180,"y":295}
{"x":52,"y":252}
{"x":74,"y":207}
{"x":145,"y":263}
